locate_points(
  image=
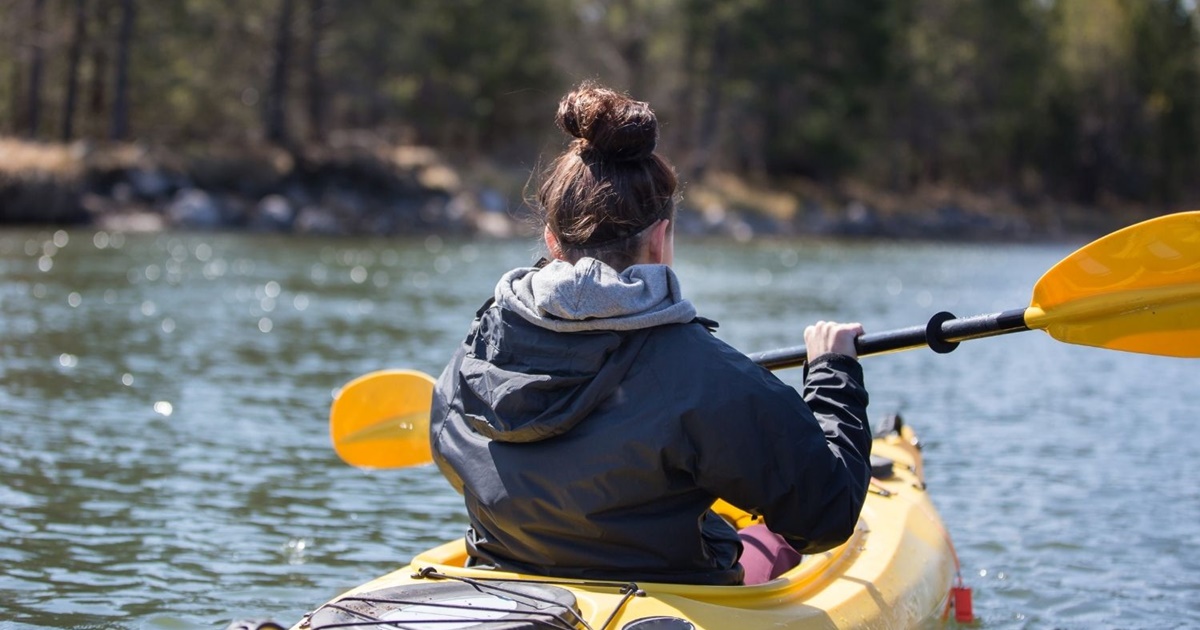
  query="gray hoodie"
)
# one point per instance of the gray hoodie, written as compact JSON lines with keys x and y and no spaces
{"x":590,"y":295}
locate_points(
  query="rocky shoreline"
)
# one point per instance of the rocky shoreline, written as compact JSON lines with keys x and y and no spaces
{"x":366,"y":188}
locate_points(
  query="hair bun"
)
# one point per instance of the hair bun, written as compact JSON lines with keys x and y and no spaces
{"x":611,"y":125}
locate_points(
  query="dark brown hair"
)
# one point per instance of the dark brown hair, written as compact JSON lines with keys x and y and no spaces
{"x":609,"y":185}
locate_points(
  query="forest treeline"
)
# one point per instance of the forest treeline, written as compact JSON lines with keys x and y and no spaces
{"x":1095,"y":102}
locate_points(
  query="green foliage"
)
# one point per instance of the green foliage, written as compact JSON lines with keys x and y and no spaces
{"x":810,"y":75}
{"x":1082,"y":100}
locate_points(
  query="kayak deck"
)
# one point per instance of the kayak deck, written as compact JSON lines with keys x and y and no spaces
{"x":895,"y":571}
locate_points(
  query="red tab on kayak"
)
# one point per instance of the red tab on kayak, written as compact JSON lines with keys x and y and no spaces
{"x":964,"y":611}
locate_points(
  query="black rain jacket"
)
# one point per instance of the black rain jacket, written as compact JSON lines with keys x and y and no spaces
{"x":597,"y":455}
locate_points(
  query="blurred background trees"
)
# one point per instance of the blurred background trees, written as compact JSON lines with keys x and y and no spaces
{"x":1090,"y":101}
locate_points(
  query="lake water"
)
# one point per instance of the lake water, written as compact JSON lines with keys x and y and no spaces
{"x":164,"y":459}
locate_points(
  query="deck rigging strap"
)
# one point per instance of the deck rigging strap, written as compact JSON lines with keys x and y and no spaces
{"x":629,"y":590}
{"x":542,"y":610}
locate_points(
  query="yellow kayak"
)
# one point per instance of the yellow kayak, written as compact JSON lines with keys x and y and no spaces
{"x":897,"y":571}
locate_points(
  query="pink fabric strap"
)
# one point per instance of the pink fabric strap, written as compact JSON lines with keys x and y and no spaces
{"x":765,"y":554}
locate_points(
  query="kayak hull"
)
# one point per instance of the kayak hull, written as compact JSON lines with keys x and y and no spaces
{"x":896,"y":571}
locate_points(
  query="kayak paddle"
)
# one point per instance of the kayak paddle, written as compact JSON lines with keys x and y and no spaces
{"x":381,"y":420}
{"x":1135,"y":290}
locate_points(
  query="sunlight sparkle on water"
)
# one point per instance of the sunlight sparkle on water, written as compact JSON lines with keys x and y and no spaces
{"x":178,"y":250}
{"x":164,"y":408}
{"x":215,"y":268}
{"x":295,"y":550}
{"x":174,"y":271}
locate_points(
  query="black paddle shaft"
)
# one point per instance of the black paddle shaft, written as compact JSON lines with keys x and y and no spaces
{"x":941,"y":334}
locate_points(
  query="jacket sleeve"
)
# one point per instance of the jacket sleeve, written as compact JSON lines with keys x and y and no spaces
{"x":445,"y":402}
{"x":802,"y":463}
{"x":834,"y":391}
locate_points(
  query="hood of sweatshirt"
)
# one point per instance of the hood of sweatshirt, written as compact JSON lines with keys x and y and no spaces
{"x":558,"y":342}
{"x":590,"y":295}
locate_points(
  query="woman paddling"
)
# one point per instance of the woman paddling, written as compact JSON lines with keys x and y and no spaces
{"x":590,"y":419}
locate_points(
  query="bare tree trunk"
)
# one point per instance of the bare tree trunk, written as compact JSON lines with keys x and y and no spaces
{"x":120,"y":111}
{"x":78,"y":33}
{"x":706,"y":134}
{"x":16,"y":81}
{"x":376,"y":70}
{"x":99,"y":59}
{"x":318,"y":19}
{"x":683,"y":131}
{"x":37,"y":28}
{"x":276,"y":102}
{"x":632,"y":48}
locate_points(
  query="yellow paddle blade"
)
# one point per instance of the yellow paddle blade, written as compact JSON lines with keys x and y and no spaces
{"x":381,"y":420}
{"x":1137,"y":290}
